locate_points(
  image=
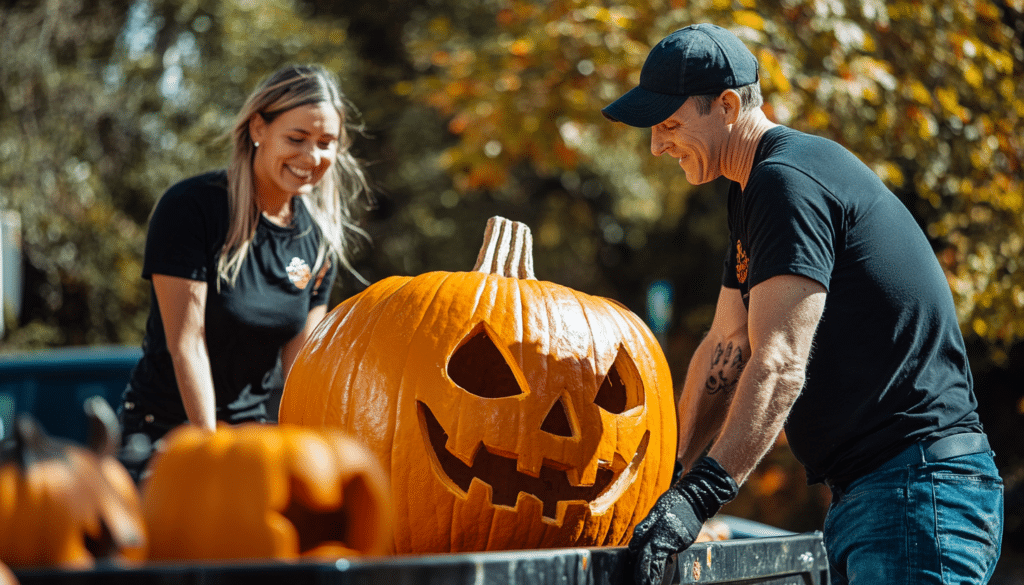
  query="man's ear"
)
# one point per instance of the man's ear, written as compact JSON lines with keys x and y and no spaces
{"x":731,"y":105}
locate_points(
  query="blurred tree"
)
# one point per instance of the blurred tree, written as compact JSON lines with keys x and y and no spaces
{"x":64,"y":147}
{"x":106,"y":105}
{"x":930,"y":95}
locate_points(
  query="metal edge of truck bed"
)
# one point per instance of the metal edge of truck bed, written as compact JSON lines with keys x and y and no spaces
{"x":798,"y":559}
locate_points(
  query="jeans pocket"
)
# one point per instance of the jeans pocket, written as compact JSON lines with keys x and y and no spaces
{"x":969,"y":523}
{"x":865,"y":534}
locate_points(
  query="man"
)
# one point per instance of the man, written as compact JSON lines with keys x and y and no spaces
{"x":834,"y":321}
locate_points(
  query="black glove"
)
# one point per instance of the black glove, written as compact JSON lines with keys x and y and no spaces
{"x":676,"y":518}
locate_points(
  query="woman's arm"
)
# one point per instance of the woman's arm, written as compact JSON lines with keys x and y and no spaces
{"x":291,"y":349}
{"x":182,"y":309}
{"x":712,"y":376}
{"x":784,"y":314}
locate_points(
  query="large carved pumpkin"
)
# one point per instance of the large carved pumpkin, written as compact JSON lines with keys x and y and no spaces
{"x":510,"y":412}
{"x":65,"y":506}
{"x":265,"y":492}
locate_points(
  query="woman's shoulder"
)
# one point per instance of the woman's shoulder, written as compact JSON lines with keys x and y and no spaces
{"x":208,"y":191}
{"x":203,"y":195}
{"x":205,"y":184}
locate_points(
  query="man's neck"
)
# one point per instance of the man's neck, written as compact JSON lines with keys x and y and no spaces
{"x":746,"y":134}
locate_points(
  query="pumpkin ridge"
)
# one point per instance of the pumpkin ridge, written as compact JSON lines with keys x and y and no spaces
{"x":437,"y":281}
{"x":323,"y":347}
{"x":336,"y":392}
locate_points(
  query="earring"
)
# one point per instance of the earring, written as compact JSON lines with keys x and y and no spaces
{"x":255,"y":144}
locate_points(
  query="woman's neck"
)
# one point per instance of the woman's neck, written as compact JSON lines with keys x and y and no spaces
{"x":278,"y":211}
{"x":739,"y":152}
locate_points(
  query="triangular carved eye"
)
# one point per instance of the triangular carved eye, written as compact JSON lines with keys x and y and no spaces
{"x":479,"y":367}
{"x":557,"y":421}
{"x":622,"y":388}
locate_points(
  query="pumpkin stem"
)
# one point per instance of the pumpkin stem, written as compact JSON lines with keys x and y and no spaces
{"x":28,"y":443}
{"x":104,"y":430}
{"x":507,"y":250}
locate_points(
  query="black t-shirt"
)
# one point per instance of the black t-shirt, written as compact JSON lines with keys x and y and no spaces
{"x":246,"y":324}
{"x":888,"y":365}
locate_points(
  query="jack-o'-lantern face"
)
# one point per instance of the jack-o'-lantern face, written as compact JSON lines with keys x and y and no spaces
{"x":510,"y":412}
{"x":589,"y":474}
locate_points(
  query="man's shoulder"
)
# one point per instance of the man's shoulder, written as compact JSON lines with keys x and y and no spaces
{"x":784,"y":145}
{"x":788,"y":155}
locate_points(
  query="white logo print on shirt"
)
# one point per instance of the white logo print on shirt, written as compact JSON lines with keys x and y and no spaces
{"x":298,"y":272}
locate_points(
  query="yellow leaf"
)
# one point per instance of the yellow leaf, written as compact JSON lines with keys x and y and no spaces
{"x":749,"y":19}
{"x":773,"y":69}
{"x":980,"y":327}
{"x":869,"y":44}
{"x":522,"y":47}
{"x":919,"y":93}
{"x":818,"y":119}
{"x":948,"y":98}
{"x":891,"y":174}
{"x":974,"y":76}
{"x":927,"y":128}
{"x":1002,"y":61}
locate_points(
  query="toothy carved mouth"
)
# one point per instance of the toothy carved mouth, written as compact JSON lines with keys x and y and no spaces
{"x":552,"y":485}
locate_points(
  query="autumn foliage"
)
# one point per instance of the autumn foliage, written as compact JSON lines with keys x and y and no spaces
{"x":929,"y":94}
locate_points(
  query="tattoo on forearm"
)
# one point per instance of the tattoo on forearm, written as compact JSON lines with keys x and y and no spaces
{"x":725,"y":369}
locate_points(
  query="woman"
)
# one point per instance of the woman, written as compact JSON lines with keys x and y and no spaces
{"x":242,"y":262}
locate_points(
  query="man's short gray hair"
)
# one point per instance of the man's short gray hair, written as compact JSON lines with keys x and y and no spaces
{"x":750,"y":98}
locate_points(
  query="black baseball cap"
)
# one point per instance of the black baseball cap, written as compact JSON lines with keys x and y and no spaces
{"x":701,"y":59}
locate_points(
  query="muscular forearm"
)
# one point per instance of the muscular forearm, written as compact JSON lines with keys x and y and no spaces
{"x":710,"y":383}
{"x":766,"y":391}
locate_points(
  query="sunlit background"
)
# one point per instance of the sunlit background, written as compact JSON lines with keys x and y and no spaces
{"x":475,"y":108}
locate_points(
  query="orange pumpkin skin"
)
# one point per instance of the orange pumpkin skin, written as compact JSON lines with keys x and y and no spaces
{"x":65,"y":506}
{"x":265,"y":492}
{"x":511,"y":375}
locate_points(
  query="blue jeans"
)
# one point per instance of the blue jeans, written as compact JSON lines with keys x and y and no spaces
{"x":926,"y":522}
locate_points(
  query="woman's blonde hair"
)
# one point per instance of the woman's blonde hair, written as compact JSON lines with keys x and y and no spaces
{"x":331,"y":201}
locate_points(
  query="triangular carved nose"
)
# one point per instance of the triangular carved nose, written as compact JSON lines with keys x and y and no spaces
{"x":557,"y":421}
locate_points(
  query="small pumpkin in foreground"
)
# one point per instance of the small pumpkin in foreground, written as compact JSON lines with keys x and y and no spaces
{"x":258,"y":491}
{"x":65,"y":506}
{"x":510,"y":412}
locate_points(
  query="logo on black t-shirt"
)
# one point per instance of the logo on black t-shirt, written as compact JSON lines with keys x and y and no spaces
{"x":741,"y":263}
{"x":299,"y":273}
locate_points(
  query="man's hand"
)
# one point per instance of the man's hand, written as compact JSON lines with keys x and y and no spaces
{"x":676,"y":518}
